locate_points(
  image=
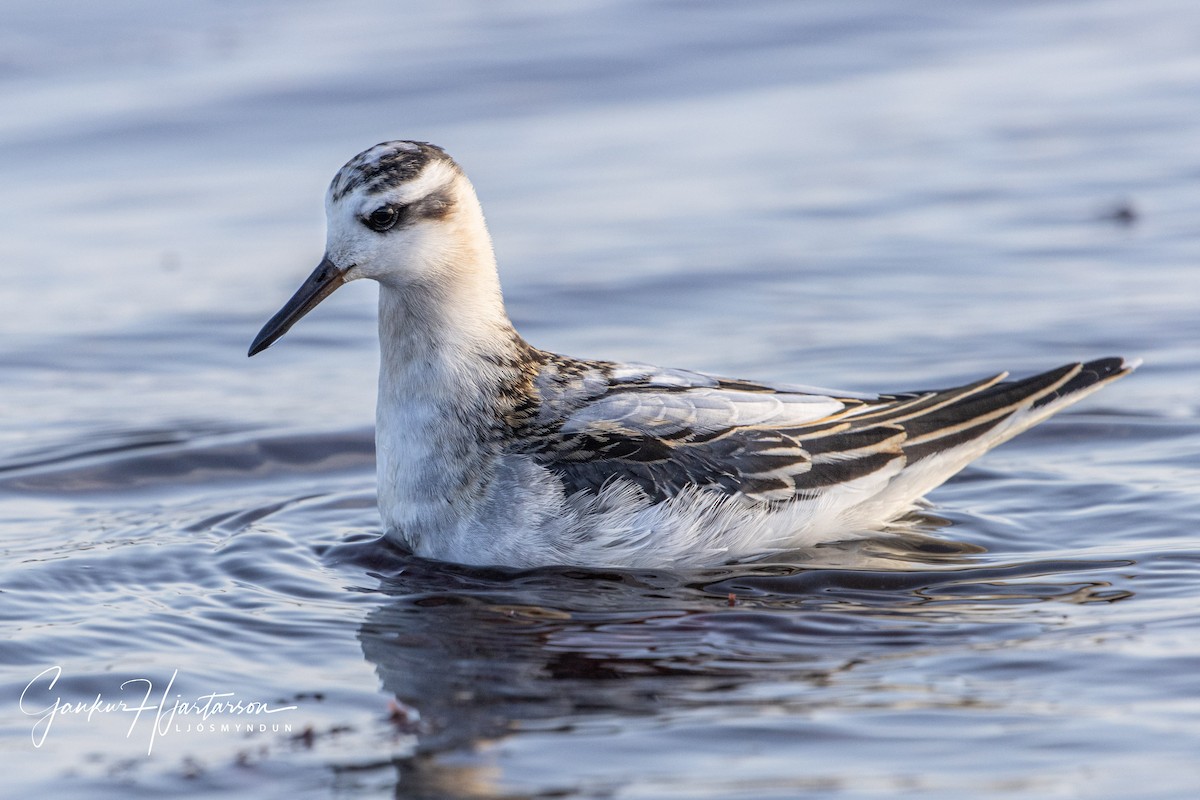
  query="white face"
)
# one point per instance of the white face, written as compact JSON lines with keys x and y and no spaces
{"x":398,"y":213}
{"x":396,"y":232}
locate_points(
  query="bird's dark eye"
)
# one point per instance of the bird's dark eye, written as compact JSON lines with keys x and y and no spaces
{"x":382,"y":218}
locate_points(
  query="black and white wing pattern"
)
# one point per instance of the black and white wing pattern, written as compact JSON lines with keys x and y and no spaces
{"x":667,"y":430}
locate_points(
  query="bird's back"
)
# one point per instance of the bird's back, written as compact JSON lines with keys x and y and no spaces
{"x":674,"y":434}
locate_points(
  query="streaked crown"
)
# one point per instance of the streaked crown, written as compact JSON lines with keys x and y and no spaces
{"x":386,"y":166}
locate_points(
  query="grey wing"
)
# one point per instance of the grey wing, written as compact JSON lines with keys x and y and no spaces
{"x":664,"y":430}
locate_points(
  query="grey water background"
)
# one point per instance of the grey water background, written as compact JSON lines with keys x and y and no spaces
{"x":867,"y":195}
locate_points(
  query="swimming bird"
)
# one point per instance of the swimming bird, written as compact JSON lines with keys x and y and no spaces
{"x":491,"y":451}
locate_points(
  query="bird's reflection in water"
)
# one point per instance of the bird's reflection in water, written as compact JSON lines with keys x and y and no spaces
{"x":474,"y":656}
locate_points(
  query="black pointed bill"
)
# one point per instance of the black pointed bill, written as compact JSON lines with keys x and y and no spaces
{"x":324,"y":280}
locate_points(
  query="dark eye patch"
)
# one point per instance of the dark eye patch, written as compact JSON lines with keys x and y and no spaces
{"x":436,"y":206}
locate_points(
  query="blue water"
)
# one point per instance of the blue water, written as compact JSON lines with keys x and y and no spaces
{"x":868,"y":195}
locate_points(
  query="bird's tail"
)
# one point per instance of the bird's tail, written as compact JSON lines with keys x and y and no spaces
{"x":944,"y":438}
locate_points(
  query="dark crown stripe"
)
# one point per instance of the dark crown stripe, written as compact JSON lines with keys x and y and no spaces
{"x":385,"y":166}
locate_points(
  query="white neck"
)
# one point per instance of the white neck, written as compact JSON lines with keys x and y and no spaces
{"x":446,"y":349}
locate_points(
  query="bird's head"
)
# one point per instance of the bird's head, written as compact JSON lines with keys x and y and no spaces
{"x":401,"y":213}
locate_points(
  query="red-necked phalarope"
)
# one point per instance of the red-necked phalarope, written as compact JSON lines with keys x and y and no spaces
{"x":491,"y":451}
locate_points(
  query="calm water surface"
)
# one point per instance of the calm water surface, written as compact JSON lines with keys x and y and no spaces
{"x":848,"y":194}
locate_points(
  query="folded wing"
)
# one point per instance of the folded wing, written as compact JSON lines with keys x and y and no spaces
{"x":665,"y":430}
